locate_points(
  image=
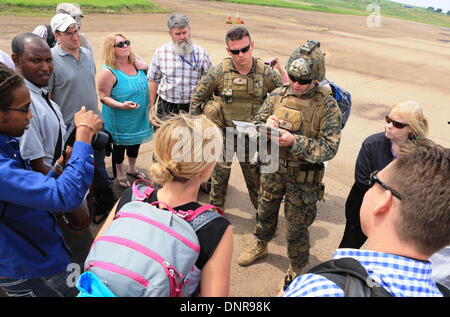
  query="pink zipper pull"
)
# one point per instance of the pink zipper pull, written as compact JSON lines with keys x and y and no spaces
{"x":172,"y":269}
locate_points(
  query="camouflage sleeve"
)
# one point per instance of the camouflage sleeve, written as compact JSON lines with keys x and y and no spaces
{"x":325,"y":147}
{"x":266,"y":109}
{"x":272,"y":79}
{"x":210,"y":83}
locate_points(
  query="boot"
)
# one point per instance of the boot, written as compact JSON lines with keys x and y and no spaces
{"x":250,"y":256}
{"x":291,"y":274}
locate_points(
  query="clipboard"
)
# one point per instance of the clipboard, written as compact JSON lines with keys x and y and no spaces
{"x":260,"y":129}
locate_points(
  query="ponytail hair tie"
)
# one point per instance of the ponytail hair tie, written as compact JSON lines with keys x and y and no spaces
{"x":170,"y":172}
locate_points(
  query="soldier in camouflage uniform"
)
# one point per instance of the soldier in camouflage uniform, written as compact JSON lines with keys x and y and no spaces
{"x":234,"y":90}
{"x":310,"y":128}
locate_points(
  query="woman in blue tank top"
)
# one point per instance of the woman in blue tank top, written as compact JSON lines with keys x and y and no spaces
{"x":123,"y":91}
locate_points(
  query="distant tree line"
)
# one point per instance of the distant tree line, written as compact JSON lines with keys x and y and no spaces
{"x":437,"y":10}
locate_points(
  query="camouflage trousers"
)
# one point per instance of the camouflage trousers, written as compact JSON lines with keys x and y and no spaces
{"x":299,"y":210}
{"x":221,"y":176}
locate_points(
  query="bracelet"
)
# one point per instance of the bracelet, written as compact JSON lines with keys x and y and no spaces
{"x":58,"y":167}
{"x":86,"y":125}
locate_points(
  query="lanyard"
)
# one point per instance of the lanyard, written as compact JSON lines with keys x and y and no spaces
{"x":187,"y":62}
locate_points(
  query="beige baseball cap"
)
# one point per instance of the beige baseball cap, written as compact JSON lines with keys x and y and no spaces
{"x":73,"y":9}
{"x":61,"y":22}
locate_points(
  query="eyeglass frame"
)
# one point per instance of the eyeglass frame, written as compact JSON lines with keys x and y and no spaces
{"x":243,"y":50}
{"x":26,"y":110}
{"x":396,"y":124}
{"x":373,"y":178}
{"x":122,"y":44}
{"x":70,"y":34}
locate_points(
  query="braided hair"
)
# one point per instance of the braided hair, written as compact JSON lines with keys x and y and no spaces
{"x":9,"y":81}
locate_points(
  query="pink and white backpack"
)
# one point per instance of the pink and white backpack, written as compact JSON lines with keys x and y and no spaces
{"x":147,"y":251}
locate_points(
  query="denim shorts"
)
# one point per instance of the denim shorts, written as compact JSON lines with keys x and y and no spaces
{"x":57,"y":285}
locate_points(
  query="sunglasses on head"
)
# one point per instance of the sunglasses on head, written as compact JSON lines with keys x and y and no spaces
{"x":243,"y":50}
{"x":374,"y":179}
{"x":122,"y":44}
{"x":299,"y":80}
{"x":396,"y":124}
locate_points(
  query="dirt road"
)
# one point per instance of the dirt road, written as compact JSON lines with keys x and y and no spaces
{"x":398,"y":60}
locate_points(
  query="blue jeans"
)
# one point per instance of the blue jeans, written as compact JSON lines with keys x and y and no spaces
{"x":58,"y":285}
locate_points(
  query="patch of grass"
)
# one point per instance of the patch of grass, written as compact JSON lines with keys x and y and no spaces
{"x":356,"y":7}
{"x":47,"y":7}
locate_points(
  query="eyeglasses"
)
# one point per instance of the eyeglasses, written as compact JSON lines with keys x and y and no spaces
{"x":374,"y":179}
{"x":26,"y":109}
{"x":299,"y":80}
{"x":122,"y":44}
{"x":70,"y":34}
{"x":396,"y":124}
{"x":243,"y":50}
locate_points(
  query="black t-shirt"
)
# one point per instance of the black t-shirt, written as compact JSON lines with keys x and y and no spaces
{"x":209,"y":235}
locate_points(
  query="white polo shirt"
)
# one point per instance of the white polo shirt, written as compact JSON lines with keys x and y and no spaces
{"x":40,"y":139}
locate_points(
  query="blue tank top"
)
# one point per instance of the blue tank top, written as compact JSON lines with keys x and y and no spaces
{"x":129,"y":127}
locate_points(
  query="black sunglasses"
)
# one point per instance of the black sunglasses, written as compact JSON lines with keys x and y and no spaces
{"x":374,"y":179}
{"x":26,"y":109}
{"x":396,"y":124}
{"x":243,"y":50}
{"x":122,"y":44}
{"x":299,"y":80}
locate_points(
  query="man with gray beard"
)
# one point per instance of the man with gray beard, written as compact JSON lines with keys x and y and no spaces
{"x":176,"y":68}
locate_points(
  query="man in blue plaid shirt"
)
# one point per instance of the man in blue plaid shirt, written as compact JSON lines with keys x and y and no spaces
{"x":406,"y":218}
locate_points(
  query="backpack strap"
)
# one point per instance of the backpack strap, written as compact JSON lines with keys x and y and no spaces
{"x":140,"y":193}
{"x":192,"y":214}
{"x":351,"y":277}
{"x":197,"y":218}
{"x":443,"y":289}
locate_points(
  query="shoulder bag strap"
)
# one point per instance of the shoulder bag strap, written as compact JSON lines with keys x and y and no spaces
{"x":58,"y":148}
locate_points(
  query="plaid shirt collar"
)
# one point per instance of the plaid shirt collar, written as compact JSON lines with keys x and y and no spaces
{"x":389,"y":264}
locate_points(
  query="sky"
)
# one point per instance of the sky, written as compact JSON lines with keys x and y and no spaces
{"x":443,"y":4}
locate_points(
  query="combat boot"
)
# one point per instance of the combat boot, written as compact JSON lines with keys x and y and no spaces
{"x":250,"y":256}
{"x":291,"y":273}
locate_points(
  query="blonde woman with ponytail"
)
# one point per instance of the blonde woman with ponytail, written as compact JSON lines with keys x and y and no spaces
{"x":186,"y":149}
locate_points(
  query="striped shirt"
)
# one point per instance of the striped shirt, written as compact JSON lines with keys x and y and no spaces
{"x":400,"y":276}
{"x":178,"y":76}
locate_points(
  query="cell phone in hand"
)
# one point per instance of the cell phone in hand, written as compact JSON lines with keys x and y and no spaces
{"x":271,"y":62}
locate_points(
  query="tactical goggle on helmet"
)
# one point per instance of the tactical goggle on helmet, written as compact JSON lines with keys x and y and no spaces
{"x":299,"y":71}
{"x":307,"y":63}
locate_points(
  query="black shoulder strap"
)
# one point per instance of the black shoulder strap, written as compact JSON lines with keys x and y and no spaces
{"x":51,"y":41}
{"x":443,"y":289}
{"x":3,"y":209}
{"x":58,"y":148}
{"x":351,"y":277}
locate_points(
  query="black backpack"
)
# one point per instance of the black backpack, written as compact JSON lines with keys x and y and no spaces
{"x":351,"y":277}
{"x":354,"y":280}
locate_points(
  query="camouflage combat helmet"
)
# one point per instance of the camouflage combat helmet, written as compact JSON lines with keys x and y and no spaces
{"x":307,"y":62}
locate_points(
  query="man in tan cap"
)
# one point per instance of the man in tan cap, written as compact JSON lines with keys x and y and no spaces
{"x":72,"y":9}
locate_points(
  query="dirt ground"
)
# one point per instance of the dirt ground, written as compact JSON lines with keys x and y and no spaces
{"x":379,"y":66}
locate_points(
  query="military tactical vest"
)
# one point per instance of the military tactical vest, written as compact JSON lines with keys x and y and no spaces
{"x":242,"y":95}
{"x":302,"y":116}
